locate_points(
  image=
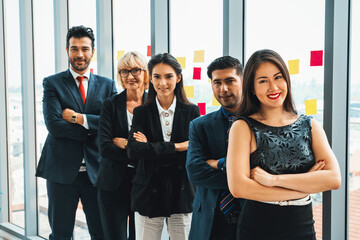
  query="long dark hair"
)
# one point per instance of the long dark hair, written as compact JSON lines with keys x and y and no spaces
{"x":250,"y":103}
{"x":168,"y":59}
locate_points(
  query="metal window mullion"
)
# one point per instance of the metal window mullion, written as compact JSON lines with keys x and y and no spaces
{"x":28,"y":109}
{"x":104,"y":39}
{"x":234,"y":28}
{"x":61,"y":26}
{"x":4,"y":214}
{"x":160,"y":26}
{"x":336,"y":99}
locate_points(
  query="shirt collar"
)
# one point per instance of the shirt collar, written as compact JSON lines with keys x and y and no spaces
{"x":171,"y":108}
{"x":226,"y":113}
{"x":75,"y":74}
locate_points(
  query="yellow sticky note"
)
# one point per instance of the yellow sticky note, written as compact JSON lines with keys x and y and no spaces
{"x":215,"y":102}
{"x":182,"y":61}
{"x":190,"y":93}
{"x":209,"y":80}
{"x":310,"y":107}
{"x":120,"y":54}
{"x":294,"y":66}
{"x":199,"y":56}
{"x":94,"y":58}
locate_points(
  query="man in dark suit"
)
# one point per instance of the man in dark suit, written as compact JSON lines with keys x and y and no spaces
{"x":70,"y":160}
{"x":215,"y":210}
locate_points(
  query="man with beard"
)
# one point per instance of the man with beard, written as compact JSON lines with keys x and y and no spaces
{"x":215,"y":211}
{"x":70,"y":160}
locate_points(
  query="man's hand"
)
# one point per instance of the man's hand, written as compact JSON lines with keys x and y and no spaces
{"x":213,"y":163}
{"x":68,"y":113}
{"x":119,"y":142}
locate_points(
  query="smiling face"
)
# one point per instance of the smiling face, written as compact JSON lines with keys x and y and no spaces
{"x":164,"y":80}
{"x":270,"y":86}
{"x":132,"y":82}
{"x":226,"y":85}
{"x":80,"y":52}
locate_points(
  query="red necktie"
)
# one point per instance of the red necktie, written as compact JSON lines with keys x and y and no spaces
{"x":81,"y":87}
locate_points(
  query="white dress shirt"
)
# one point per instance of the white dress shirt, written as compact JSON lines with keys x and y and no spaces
{"x":129,"y":119}
{"x":85,"y":84}
{"x":166,"y":119}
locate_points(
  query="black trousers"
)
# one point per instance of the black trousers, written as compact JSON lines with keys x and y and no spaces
{"x":115,"y":210}
{"x":259,"y":221}
{"x":224,"y":227}
{"x":63,"y":202}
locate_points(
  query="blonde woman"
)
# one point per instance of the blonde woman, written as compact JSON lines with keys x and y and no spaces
{"x":116,"y":169}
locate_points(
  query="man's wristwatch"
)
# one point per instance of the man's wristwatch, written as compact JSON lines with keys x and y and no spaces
{"x":125,"y":143}
{"x":74,"y":117}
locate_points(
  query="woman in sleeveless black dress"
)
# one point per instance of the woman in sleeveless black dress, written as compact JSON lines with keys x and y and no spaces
{"x":275,"y":157}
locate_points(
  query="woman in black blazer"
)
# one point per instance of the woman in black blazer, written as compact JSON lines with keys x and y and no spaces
{"x":159,"y":140}
{"x":116,"y":169}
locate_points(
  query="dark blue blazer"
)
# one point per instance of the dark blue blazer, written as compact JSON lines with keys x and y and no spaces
{"x":207,"y":140}
{"x":68,"y":143}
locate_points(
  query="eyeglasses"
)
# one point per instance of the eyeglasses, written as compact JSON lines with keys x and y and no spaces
{"x":135,"y":72}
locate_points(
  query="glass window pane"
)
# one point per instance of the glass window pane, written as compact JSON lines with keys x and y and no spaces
{"x":354,"y":114}
{"x":196,"y":37}
{"x":44,"y":61}
{"x":294,"y":35}
{"x":79,"y":16}
{"x":15,"y":117}
{"x":133,"y":35}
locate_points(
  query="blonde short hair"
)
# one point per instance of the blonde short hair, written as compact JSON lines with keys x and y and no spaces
{"x":133,"y":60}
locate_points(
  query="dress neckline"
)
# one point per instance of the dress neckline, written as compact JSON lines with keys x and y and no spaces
{"x":288,"y":125}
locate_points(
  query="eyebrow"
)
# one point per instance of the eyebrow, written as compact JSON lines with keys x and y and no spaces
{"x":266,"y":77}
{"x":220,"y":79}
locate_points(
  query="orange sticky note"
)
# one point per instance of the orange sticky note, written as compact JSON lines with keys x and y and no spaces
{"x":149,"y":51}
{"x":182,"y":61}
{"x":316,"y":58}
{"x":215,"y":102}
{"x":190,"y":92}
{"x":120,"y":54}
{"x":294,"y":66}
{"x":94,"y":58}
{"x":202,"y":107}
{"x":197,"y":73}
{"x":310,"y":107}
{"x":91,"y":70}
{"x":199,"y":56}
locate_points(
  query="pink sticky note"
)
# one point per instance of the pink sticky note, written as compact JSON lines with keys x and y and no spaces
{"x":202,"y":107}
{"x":316,"y":58}
{"x":197,"y":73}
{"x":149,"y":51}
{"x":91,"y":70}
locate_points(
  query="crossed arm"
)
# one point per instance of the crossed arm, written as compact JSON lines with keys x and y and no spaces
{"x":261,"y":186}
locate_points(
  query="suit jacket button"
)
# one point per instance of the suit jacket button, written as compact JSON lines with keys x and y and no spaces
{"x":182,"y":187}
{"x":154,"y":190}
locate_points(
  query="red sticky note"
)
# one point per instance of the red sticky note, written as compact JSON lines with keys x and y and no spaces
{"x":197,"y":73}
{"x":149,"y":51}
{"x":316,"y":58}
{"x":91,"y":70}
{"x":202,"y":107}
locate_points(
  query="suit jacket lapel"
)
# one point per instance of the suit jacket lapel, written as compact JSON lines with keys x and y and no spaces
{"x":122,"y":114}
{"x":91,"y":91}
{"x":73,"y":88}
{"x":158,"y":136}
{"x":177,"y":121}
{"x":219,"y":130}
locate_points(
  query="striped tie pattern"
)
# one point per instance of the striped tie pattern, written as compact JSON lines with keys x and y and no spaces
{"x":228,"y":203}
